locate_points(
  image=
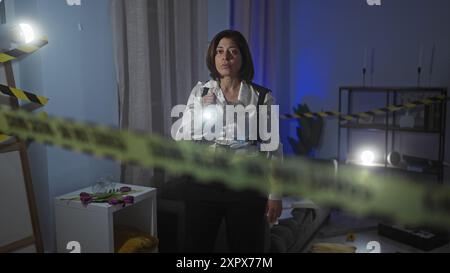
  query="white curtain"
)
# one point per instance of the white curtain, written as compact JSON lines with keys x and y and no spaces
{"x":160,"y":49}
{"x":256,"y":19}
{"x":265,"y":23}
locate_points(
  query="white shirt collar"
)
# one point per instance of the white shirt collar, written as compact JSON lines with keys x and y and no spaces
{"x":244,"y":96}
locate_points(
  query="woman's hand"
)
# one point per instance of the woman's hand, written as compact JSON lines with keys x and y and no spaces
{"x":273,"y":210}
{"x":209,"y":99}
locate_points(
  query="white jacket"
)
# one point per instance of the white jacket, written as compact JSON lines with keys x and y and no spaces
{"x":247,"y":96}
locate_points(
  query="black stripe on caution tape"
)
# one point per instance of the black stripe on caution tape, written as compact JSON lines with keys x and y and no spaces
{"x":356,"y":190}
{"x":22,"y":95}
{"x":23,"y":50}
{"x":373,"y":112}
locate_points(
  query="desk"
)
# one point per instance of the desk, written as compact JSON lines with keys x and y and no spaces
{"x":92,"y":226}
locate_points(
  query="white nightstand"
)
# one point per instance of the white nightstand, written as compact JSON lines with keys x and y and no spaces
{"x":93,"y":226}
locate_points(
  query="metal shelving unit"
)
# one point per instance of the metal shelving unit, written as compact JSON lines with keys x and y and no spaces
{"x":390,"y":126}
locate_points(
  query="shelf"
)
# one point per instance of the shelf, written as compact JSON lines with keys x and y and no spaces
{"x":382,"y":127}
{"x":393,"y":89}
{"x":432,"y":125}
{"x":402,"y":167}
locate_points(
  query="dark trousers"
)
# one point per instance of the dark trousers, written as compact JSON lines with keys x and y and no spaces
{"x":243,"y":211}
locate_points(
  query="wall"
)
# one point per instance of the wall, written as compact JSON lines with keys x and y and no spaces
{"x":328,"y":41}
{"x":218,"y":17}
{"x":76,"y":71}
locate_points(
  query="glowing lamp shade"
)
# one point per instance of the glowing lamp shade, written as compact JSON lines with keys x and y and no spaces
{"x":367,"y":157}
{"x":11,"y":34}
{"x":26,"y":33}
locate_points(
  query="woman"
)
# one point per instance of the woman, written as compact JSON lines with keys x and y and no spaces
{"x":230,"y":63}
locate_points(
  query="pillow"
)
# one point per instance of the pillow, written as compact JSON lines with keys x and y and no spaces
{"x":138,"y":244}
{"x":132,"y":240}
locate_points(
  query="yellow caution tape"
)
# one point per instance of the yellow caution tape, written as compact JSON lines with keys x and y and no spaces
{"x":23,"y":50}
{"x":14,"y":92}
{"x":22,"y":95}
{"x":356,"y":190}
{"x":374,"y":112}
{"x":3,"y":137}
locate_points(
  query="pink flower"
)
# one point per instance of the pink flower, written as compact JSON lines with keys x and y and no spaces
{"x":125,"y":189}
{"x":85,"y":198}
{"x":128,"y":199}
{"x":113,"y":201}
{"x":111,"y":198}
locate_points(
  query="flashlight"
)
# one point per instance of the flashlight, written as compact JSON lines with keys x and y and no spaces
{"x":16,"y":33}
{"x":26,"y":33}
{"x":209,"y":113}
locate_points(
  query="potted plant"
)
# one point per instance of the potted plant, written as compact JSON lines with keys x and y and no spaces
{"x":309,"y":132}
